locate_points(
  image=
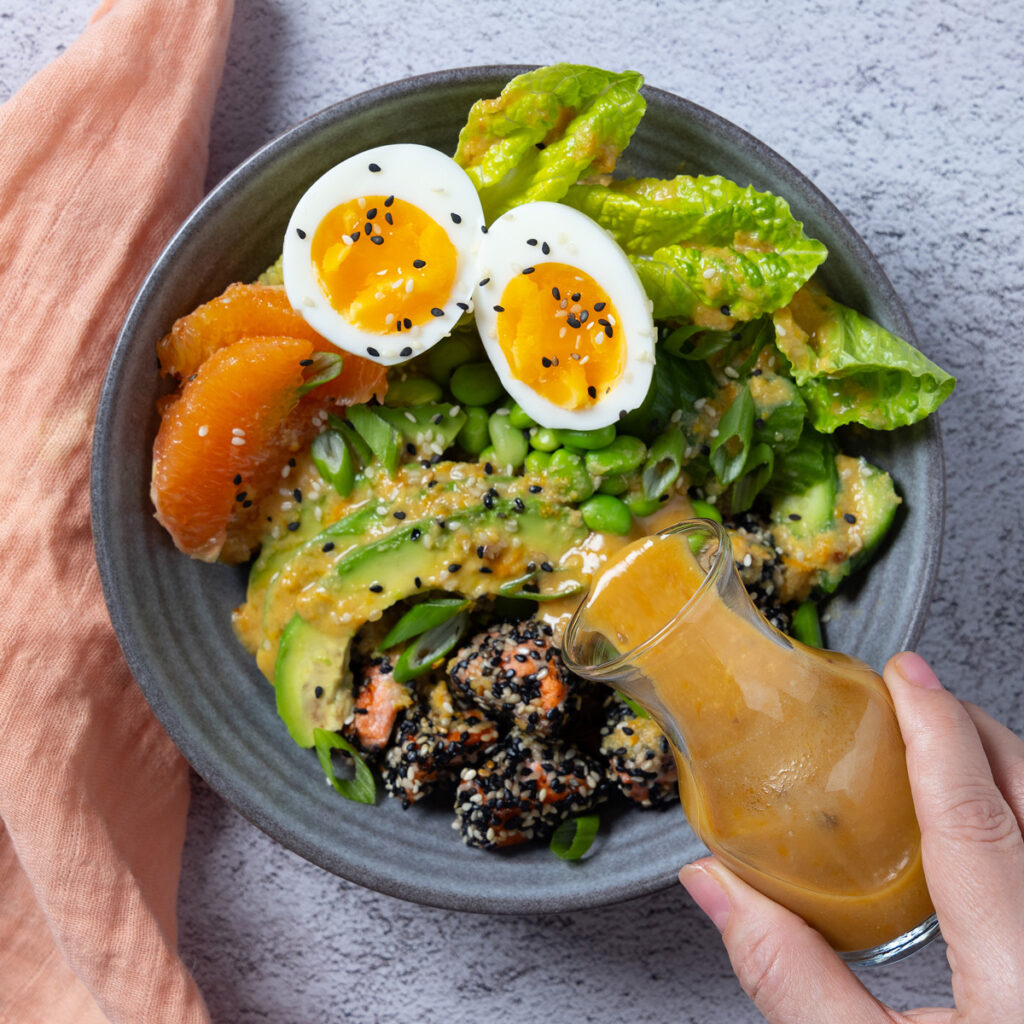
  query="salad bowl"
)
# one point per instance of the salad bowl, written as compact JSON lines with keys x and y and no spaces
{"x":172,"y":614}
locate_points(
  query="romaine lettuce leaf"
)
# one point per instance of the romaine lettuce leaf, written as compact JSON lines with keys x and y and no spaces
{"x":548,"y":129}
{"x":850,"y":369}
{"x":810,"y":462}
{"x":705,"y":242}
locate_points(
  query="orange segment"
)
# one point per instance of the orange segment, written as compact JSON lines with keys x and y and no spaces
{"x":560,"y":334}
{"x":248,"y":310}
{"x":383,"y":263}
{"x":226,"y":426}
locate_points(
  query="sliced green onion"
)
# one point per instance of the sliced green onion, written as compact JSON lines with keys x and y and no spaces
{"x":422,"y":617}
{"x":756,"y":473}
{"x":807,"y":625}
{"x":730,"y":449}
{"x":326,"y":366}
{"x":433,"y":644}
{"x":574,"y":836}
{"x":528,"y":588}
{"x":332,"y":458}
{"x":361,"y":788}
{"x":381,"y":437}
{"x":359,"y":447}
{"x":632,"y":705}
{"x":664,"y":462}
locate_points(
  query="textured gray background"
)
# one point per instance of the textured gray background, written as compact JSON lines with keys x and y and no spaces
{"x":908,"y":116}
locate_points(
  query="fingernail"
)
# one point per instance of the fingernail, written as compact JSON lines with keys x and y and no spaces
{"x":707,"y":893}
{"x":916,"y":671}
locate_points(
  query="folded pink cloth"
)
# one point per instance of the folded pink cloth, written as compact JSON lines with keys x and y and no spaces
{"x":102,"y":155}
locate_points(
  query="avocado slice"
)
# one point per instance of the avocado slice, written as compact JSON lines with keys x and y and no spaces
{"x":311,"y":680}
{"x":836,"y":524}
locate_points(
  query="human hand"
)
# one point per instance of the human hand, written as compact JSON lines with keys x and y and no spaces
{"x":967,"y":778}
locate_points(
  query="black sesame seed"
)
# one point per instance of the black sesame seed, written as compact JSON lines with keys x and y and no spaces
{"x":544,"y":361}
{"x":241,"y":496}
{"x":398,"y":326}
{"x":540,"y":145}
{"x":546,"y":249}
{"x":371,"y":213}
{"x":454,"y":567}
{"x":488,"y":468}
{"x":417,"y":582}
{"x":419,"y":263}
{"x":499,"y":309}
{"x":238,"y":479}
{"x":291,"y":462}
{"x":399,"y":515}
{"x":456,"y":219}
{"x":374,"y":168}
{"x":725,"y":310}
{"x":355,"y":237}
{"x":529,"y":270}
{"x":408,"y":324}
{"x":535,"y":488}
{"x":406,"y":352}
{"x":462,"y":305}
{"x":795,"y":516}
{"x":305,"y":362}
{"x":377,"y":239}
{"x":705,"y":449}
{"x":372,"y":352}
{"x":488,"y":501}
{"x":376,"y":588}
{"x":592,"y":391}
{"x":437,"y":311}
{"x":389,"y":218}
{"x":573,"y":321}
{"x":368,"y":228}
{"x":318,"y":692}
{"x":557,"y":295}
{"x":329,"y":546}
{"x":293,"y":527}
{"x":520,"y":505}
{"x":389,"y":200}
{"x":297,"y":495}
{"x":486,"y":569}
{"x":849,"y":517}
{"x":608,"y":330}
{"x":484,"y":281}
{"x":300,"y":232}
{"x":583,"y":316}
{"x":416,"y":534}
{"x":575,"y":296}
{"x":247,"y":503}
{"x":547,"y":567}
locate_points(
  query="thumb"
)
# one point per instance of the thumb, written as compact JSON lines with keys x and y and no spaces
{"x":788,"y":970}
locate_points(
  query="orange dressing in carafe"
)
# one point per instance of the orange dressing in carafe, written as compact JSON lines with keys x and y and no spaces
{"x":791,"y":765}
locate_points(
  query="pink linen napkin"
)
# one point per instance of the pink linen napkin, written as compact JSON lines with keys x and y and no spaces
{"x":102,"y":155}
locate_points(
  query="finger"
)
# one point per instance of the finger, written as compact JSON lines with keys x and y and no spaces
{"x":1005,"y":753}
{"x":788,"y":970}
{"x":971,"y":842}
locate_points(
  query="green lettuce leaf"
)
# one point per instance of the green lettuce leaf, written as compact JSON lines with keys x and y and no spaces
{"x":705,"y":242}
{"x":548,"y":129}
{"x":850,"y":369}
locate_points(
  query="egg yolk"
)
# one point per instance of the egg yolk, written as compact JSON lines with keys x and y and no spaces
{"x":383,"y":263}
{"x":560,"y":334}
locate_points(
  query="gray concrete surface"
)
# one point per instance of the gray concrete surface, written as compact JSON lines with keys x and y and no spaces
{"x":907,"y":115}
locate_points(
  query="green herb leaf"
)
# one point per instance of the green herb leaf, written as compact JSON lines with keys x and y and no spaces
{"x":574,"y":836}
{"x":730,"y":449}
{"x":423,"y":616}
{"x":756,"y":473}
{"x":433,"y":644}
{"x":361,"y":788}
{"x":326,"y":366}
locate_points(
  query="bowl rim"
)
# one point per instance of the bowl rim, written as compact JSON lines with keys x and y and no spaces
{"x":208,"y":763}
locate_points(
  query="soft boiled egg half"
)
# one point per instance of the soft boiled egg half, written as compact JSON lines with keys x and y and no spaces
{"x":380,"y":255}
{"x":564,"y":317}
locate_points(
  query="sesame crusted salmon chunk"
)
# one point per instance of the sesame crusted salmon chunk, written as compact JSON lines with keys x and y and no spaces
{"x":378,"y":701}
{"x":515,"y":671}
{"x":640,"y":761}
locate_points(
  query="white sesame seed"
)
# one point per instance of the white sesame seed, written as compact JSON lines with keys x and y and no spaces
{"x":203,"y":430}
{"x":238,"y":431}
{"x":238,"y":441}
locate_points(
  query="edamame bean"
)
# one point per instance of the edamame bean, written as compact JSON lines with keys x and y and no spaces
{"x":413,"y":391}
{"x":461,"y":347}
{"x":705,"y":510}
{"x":617,"y":483}
{"x":566,"y":471}
{"x":639,"y":505}
{"x":589,"y":440}
{"x":664,"y":461}
{"x":488,"y":455}
{"x":518,"y":418}
{"x":545,"y":440}
{"x":474,"y":436}
{"x":475,"y":384}
{"x":509,"y":442}
{"x":606,"y":513}
{"x":623,"y":455}
{"x":537,"y":462}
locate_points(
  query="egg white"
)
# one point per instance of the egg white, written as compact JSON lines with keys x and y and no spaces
{"x":419,"y":175}
{"x":537,"y":233}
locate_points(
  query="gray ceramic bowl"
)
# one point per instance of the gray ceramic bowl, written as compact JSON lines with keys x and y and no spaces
{"x":171,"y":614}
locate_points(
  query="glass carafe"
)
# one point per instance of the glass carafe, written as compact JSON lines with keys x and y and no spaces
{"x":792,"y":769}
